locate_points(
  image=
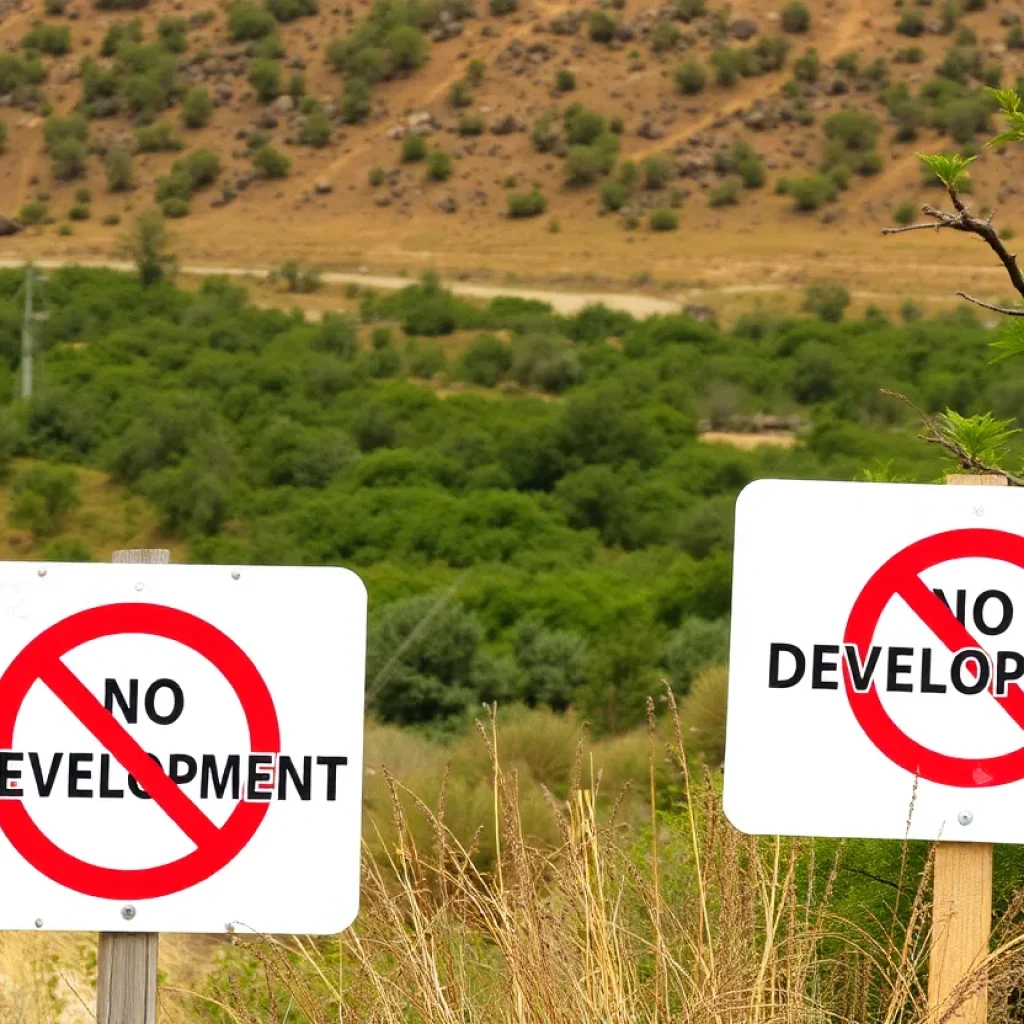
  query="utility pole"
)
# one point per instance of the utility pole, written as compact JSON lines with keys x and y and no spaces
{"x":28,"y":330}
{"x":28,"y":340}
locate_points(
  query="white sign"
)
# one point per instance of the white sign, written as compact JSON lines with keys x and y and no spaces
{"x":180,"y":747}
{"x":876,"y":681}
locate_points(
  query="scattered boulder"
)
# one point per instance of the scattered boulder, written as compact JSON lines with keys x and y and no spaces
{"x":649,"y":130}
{"x":284,"y":104}
{"x":10,"y":227}
{"x":323,"y":186}
{"x":507,"y":125}
{"x":447,"y":204}
{"x":743,"y":29}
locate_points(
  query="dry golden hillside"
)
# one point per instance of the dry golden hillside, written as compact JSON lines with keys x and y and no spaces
{"x":326,"y":209}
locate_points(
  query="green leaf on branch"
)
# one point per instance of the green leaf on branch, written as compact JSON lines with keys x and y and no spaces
{"x":1010,"y":105}
{"x":1010,"y":340}
{"x":981,"y":438}
{"x":949,"y":168}
{"x":883,"y":473}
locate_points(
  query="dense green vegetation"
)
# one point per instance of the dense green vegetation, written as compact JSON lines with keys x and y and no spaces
{"x":557,"y":528}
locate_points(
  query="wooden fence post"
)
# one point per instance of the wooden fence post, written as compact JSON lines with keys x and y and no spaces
{"x":962,"y":904}
{"x":126,"y":961}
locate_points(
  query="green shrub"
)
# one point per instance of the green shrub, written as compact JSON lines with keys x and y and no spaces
{"x":376,"y":177}
{"x":502,"y":7}
{"x":414,"y":148}
{"x":613,"y":195}
{"x":196,"y":108}
{"x":909,"y":55}
{"x":33,"y":213}
{"x":486,"y":361}
{"x":811,"y":192}
{"x":658,"y":171}
{"x":460,"y":95}
{"x":526,"y":204}
{"x":54,"y":40}
{"x":827,"y":300}
{"x":728,"y":193}
{"x":407,"y":46}
{"x":1015,"y":37}
{"x":663,"y":220}
{"x":355,"y":101}
{"x":690,"y":78}
{"x":471,"y":124}
{"x":688,"y":10}
{"x":583,"y":126}
{"x":68,"y":159}
{"x":55,"y":8}
{"x":157,"y":138}
{"x":265,"y":78}
{"x":80,"y":211}
{"x":565,"y":80}
{"x":268,"y":162}
{"x":769,"y":54}
{"x":297,"y":277}
{"x":808,"y":67}
{"x":173,"y":34}
{"x":41,"y":498}
{"x":475,"y":71}
{"x":119,"y":168}
{"x":20,"y":75}
{"x":911,"y":23}
{"x":174,"y":207}
{"x":796,"y":17}
{"x":290,"y":10}
{"x":439,"y":164}
{"x":696,"y":645}
{"x":111,"y":220}
{"x":248,"y":21}
{"x":3,"y":136}
{"x":118,"y":33}
{"x":585,"y":164}
{"x":601,"y":26}
{"x":729,"y":65}
{"x":904,"y":213}
{"x":316,"y":129}
{"x":742,"y":160}
{"x":664,"y":37}
{"x":120,"y":5}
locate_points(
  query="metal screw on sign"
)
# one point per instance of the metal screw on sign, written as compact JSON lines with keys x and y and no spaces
{"x":129,"y":912}
{"x":42,"y":572}
{"x":965,"y":817}
{"x":39,"y":922}
{"x":979,"y":510}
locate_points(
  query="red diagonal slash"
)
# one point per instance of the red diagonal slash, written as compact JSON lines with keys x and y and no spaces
{"x":70,"y":691}
{"x":932,"y":611}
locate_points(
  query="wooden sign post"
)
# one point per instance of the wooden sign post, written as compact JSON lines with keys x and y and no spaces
{"x":126,"y":961}
{"x":962,"y":905}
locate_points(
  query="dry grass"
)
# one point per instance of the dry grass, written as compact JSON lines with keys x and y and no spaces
{"x":682,"y":920}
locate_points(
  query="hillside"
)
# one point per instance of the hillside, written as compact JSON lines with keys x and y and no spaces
{"x":678,"y":84}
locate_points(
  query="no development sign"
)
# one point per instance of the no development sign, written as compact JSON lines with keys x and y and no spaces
{"x":180,"y":747}
{"x":877,"y":662}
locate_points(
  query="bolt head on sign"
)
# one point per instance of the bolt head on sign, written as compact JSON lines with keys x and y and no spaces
{"x":876,"y":676}
{"x":185,"y":740}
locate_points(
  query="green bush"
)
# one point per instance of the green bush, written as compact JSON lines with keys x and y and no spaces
{"x":157,"y":138}
{"x":54,"y":40}
{"x":41,"y":498}
{"x":80,"y":211}
{"x":911,"y":23}
{"x":904,"y":213}
{"x":3,"y":136}
{"x":68,"y":159}
{"x":290,"y":10}
{"x":55,"y":8}
{"x":33,"y":213}
{"x":120,"y":5}
{"x":696,"y":645}
{"x":658,"y":171}
{"x":475,"y":71}
{"x":173,"y":34}
{"x":355,"y":102}
{"x":688,"y":10}
{"x":502,"y":7}
{"x":407,"y":46}
{"x":613,"y":195}
{"x":743,"y":161}
{"x":827,"y":300}
{"x":663,"y":220}
{"x":414,"y":149}
{"x":316,"y":129}
{"x":583,"y":126}
{"x":439,"y":164}
{"x":265,"y":78}
{"x":297,"y":278}
{"x":526,"y":204}
{"x":471,"y":124}
{"x":174,"y":207}
{"x":268,"y":162}
{"x":565,"y":80}
{"x":119,"y":168}
{"x":585,"y":164}
{"x":601,"y":26}
{"x":486,"y":361}
{"x":690,"y":78}
{"x":196,"y":108}
{"x":796,"y":17}
{"x":812,"y":192}
{"x":729,"y":65}
{"x":460,"y":95}
{"x":376,"y":177}
{"x":118,"y":33}
{"x":20,"y":75}
{"x":664,"y":37}
{"x":1015,"y":37}
{"x":728,"y":193}
{"x":248,"y":21}
{"x":808,"y":67}
{"x":769,"y":54}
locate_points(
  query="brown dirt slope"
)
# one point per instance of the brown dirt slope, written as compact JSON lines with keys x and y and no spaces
{"x":461,"y":226}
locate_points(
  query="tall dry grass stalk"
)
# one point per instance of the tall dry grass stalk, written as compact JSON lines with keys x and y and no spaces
{"x":684,"y":920}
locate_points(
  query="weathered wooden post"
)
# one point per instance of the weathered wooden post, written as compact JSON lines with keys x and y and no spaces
{"x":126,"y":961}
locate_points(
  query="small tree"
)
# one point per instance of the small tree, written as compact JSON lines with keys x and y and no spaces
{"x":265,"y":78}
{"x":439,"y":165}
{"x":42,"y":496}
{"x":690,"y":78}
{"x":827,"y":300}
{"x":147,"y":246}
{"x":414,"y":148}
{"x":796,"y":17}
{"x":269,"y":162}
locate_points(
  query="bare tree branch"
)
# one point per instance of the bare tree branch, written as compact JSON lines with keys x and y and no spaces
{"x":934,"y":434}
{"x":1005,"y":310}
{"x":914,"y":227}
